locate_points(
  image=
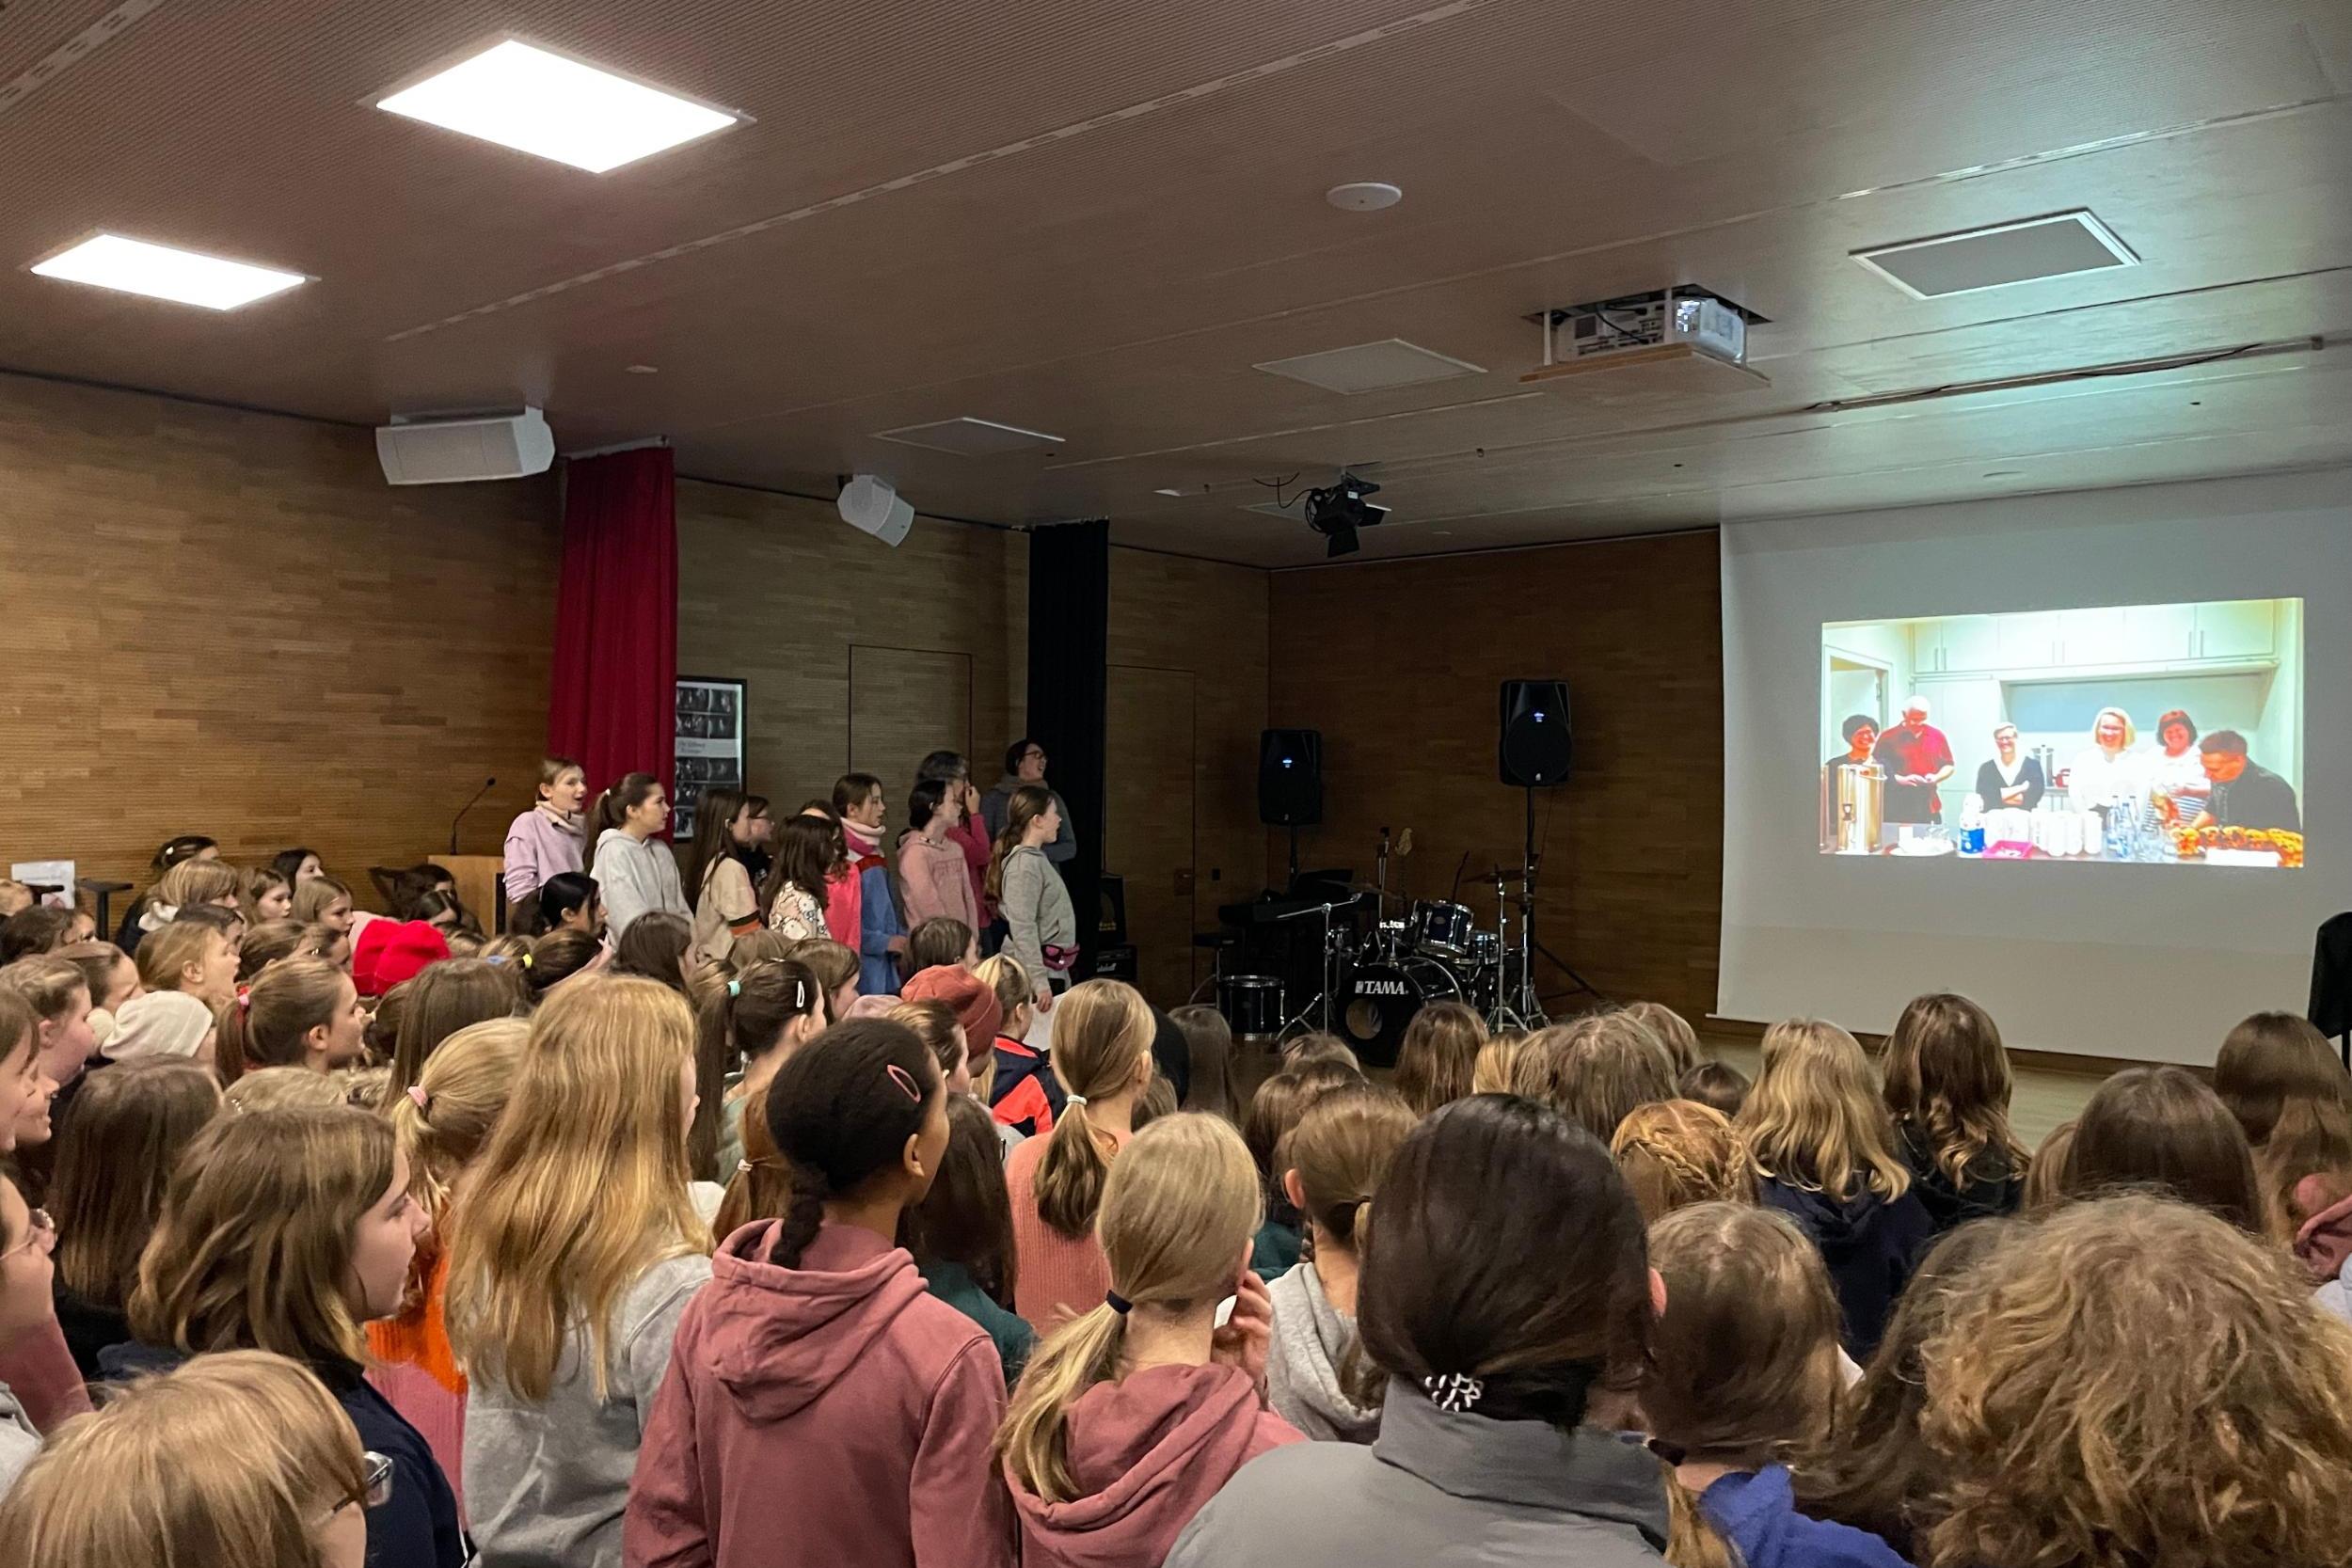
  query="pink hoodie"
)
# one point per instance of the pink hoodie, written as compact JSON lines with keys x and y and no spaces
{"x":833,"y":1415}
{"x":1145,"y":1455}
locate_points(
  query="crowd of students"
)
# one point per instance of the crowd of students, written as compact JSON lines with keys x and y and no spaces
{"x":678,"y":1236}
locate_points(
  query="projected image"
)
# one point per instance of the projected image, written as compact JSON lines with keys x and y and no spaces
{"x":2168,"y":735}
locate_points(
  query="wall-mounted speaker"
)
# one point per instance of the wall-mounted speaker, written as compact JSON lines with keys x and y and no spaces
{"x":1290,"y":778}
{"x":1536,"y":744}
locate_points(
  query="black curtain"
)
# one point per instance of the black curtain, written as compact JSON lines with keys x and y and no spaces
{"x":1069,"y":599}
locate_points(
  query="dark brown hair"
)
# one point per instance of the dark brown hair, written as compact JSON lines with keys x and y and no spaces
{"x":2270,"y":1059}
{"x":852,"y":790}
{"x":1744,"y":1364}
{"x":654,"y":948}
{"x":443,"y":998}
{"x":1210,"y":1084}
{"x":938,"y":943}
{"x":1478,"y":1192}
{"x":629,"y":792}
{"x":1716,"y":1083}
{"x":967,"y":1217}
{"x":267,"y":942}
{"x":714,"y":838}
{"x":559,"y":955}
{"x":1946,"y":1081}
{"x":115,"y":1154}
{"x":1440,"y":1048}
{"x":807,"y":848}
{"x":39,"y":928}
{"x":838,"y":1115}
{"x":2159,"y":1128}
{"x":737,"y":1022}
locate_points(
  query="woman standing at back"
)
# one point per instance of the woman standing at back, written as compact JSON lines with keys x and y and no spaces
{"x":574,"y":1248}
{"x":634,"y":872}
{"x":544,"y":841}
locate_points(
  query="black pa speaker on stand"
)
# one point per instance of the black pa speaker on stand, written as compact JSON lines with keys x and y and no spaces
{"x":1289,"y":783}
{"x":1534,"y":749}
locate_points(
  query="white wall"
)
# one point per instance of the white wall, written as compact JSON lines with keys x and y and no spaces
{"x":2150,"y":962}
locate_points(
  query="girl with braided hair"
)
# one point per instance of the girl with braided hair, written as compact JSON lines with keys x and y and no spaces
{"x":815,"y":1360}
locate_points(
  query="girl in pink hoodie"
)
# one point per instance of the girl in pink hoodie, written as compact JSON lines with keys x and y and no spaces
{"x":821,"y":1409}
{"x":1131,"y":1417}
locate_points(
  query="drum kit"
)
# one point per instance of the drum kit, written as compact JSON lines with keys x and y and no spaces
{"x":1378,"y":970}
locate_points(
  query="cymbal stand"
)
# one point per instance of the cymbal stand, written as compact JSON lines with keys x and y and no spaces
{"x":1322,"y":1001}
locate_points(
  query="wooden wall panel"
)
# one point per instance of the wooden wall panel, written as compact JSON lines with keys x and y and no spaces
{"x":1170,"y":614}
{"x":778,"y":591}
{"x":228,"y":623}
{"x":903,"y":703}
{"x":1398,"y":665}
{"x":1150,"y":819}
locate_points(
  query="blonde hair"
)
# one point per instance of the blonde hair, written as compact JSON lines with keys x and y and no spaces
{"x":287,"y":1088}
{"x":934,"y":1024}
{"x":2131,"y":731}
{"x":313,"y":898}
{"x":193,"y":882}
{"x":760,"y":1186}
{"x":253,"y":1248}
{"x":1102,"y":1029}
{"x":266,"y":1026}
{"x":1947,"y":1080}
{"x":1814,"y":1119}
{"x":1679,"y":1152}
{"x":582,"y":1188}
{"x":229,"y":1462}
{"x":443,"y":1121}
{"x":1594,"y":1070}
{"x":1002,"y":974}
{"x":1673,"y":1030}
{"x":2046,"y":1177}
{"x":165,"y":954}
{"x":1439,"y":1055}
{"x":2132,"y":1380}
{"x":47,"y":982}
{"x":1498,"y":1061}
{"x":1339,"y":1150}
{"x":1177,"y":1217}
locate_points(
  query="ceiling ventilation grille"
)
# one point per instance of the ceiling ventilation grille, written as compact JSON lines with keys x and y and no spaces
{"x":2058,"y":245}
{"x":970,"y":437}
{"x":1371,"y":367}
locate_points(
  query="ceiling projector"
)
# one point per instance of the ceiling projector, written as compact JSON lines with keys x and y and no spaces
{"x":1337,"y":510}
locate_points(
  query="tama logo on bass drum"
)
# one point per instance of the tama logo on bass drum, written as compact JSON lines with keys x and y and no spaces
{"x":1381,"y":988}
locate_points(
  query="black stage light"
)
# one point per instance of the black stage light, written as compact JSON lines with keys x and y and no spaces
{"x":1337,"y":510}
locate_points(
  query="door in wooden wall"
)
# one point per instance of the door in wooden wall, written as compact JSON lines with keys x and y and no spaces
{"x":1148,"y":825}
{"x":903,"y":704}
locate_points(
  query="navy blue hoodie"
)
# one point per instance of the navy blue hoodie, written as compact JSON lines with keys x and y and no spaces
{"x":417,"y":1527}
{"x":1871,"y":1245}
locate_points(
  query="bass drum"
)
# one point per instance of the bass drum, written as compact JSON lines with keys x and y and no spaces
{"x":1381,"y":999}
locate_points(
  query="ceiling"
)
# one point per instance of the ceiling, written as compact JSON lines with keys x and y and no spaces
{"x":1094,"y":221}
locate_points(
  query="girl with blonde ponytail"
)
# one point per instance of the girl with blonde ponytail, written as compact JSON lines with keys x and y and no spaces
{"x":1102,"y":1057}
{"x":815,"y":1362}
{"x":573,"y":1246}
{"x":1331,"y":1164}
{"x":1134,"y":1413}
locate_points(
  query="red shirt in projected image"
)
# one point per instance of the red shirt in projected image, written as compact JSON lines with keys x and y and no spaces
{"x":1904,"y":749}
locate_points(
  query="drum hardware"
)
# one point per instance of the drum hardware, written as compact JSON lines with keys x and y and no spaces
{"x":1518,"y":1006}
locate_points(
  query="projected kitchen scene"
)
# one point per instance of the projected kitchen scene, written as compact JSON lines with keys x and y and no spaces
{"x":2166,"y":734}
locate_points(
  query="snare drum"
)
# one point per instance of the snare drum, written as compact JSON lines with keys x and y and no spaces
{"x":1440,"y":930}
{"x":1251,"y":1005}
{"x":1381,"y":999}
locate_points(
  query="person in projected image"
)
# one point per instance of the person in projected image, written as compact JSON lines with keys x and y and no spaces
{"x":1916,"y":758}
{"x":2176,"y":773}
{"x":2106,"y":770}
{"x":1862,"y":734}
{"x":2245,"y":794}
{"x":2011,"y":779}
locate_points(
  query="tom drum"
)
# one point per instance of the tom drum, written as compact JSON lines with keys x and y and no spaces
{"x":1251,"y":1005}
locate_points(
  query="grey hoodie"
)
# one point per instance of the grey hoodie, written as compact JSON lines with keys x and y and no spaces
{"x":1036,"y":912}
{"x":1302,"y":1365}
{"x":634,"y":876}
{"x":19,"y":1441}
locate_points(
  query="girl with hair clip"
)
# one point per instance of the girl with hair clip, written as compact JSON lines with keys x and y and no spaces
{"x":266,"y":895}
{"x":1824,"y":1148}
{"x":1679,"y":1152}
{"x":1672,"y":1030}
{"x":1134,"y":1413}
{"x":545,"y":842}
{"x":305,"y":1012}
{"x":1102,"y":1056}
{"x":2160,"y":1129}
{"x":815,"y":1362}
{"x":1332,"y":1164}
{"x":961,"y":1234}
{"x":573,"y":1247}
{"x":726,"y":905}
{"x":835,"y":968}
{"x":323,"y":901}
{"x":558,"y":956}
{"x":569,"y":901}
{"x":285,"y":1232}
{"x":807,"y":849}
{"x":1042,"y":928}
{"x":237,"y":1460}
{"x":193,"y":956}
{"x":634,"y":872}
{"x":2133,"y":1383}
{"x":1212,"y":1086}
{"x":1508,"y":1378}
{"x":1596,"y":1071}
{"x":1743,"y":1374}
{"x":1274,"y":1111}
{"x":1870,"y":1464}
{"x":440,"y":1001}
{"x":129,"y":1129}
{"x":1947,"y":1084}
{"x":1439,"y":1055}
{"x":744,"y":1031}
{"x":443,"y":1120}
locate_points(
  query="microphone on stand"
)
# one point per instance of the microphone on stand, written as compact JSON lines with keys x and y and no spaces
{"x":466,"y":807}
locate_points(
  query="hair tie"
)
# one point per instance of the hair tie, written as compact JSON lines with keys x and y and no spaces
{"x":1117,"y":1303}
{"x":742,"y":1167}
{"x":1075,"y":1099}
{"x":735,"y":987}
{"x":419,"y":1097}
{"x":1454,"y":1393}
{"x":905,"y":1080}
{"x":526,"y":961}
{"x":244,"y":999}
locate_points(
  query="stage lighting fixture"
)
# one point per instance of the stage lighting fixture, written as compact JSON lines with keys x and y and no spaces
{"x":1337,"y":510}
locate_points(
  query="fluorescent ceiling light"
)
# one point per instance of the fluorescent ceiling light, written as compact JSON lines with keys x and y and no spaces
{"x":534,"y":102}
{"x":160,"y":272}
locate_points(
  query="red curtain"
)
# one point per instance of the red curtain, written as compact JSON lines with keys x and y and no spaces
{"x":614,"y":684}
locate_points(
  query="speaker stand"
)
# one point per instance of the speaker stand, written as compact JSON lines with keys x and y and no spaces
{"x":1291,"y":886}
{"x":1527,"y":1006}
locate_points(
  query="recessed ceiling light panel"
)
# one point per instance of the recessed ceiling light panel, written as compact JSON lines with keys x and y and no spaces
{"x":2057,"y":245}
{"x":536,"y":101}
{"x":970,"y":437}
{"x":1371,"y":367}
{"x":166,"y":272}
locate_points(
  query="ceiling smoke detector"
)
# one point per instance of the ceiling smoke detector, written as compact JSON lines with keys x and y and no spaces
{"x":1364,"y":195}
